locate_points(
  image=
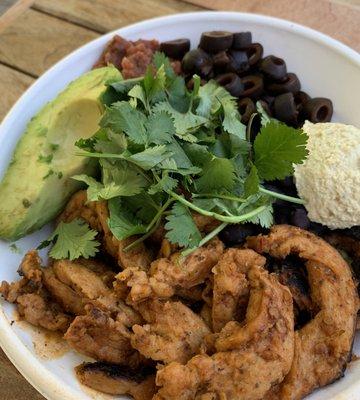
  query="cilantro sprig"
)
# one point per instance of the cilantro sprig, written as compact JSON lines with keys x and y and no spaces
{"x":166,"y":152}
{"x":72,"y":240}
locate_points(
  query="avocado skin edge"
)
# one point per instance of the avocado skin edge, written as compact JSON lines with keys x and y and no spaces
{"x":34,"y":192}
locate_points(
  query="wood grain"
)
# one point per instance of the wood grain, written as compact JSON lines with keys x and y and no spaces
{"x":13,"y":12}
{"x":35,"y":41}
{"x":5,"y":5}
{"x":106,"y":15}
{"x":337,"y":20}
{"x":12,"y":85}
{"x":12,"y":385}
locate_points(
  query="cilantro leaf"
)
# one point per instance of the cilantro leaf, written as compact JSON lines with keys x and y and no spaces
{"x":178,"y":95}
{"x":179,"y":161}
{"x":150,"y":157}
{"x":121,"y":117}
{"x":222,"y":146}
{"x":124,"y":86}
{"x":212,"y":97}
{"x":137,"y":92}
{"x":251,"y":184}
{"x":154,"y":85}
{"x":72,"y":240}
{"x":231,"y":122}
{"x":207,"y":99}
{"x":265,"y":119}
{"x":277,"y":147}
{"x":159,"y":60}
{"x":197,"y":153}
{"x":265,"y":218}
{"x":110,"y":142}
{"x":118,"y":179}
{"x":185,"y":123}
{"x":166,"y":183}
{"x":122,"y":222}
{"x":144,"y":206}
{"x":181,"y":228}
{"x":160,"y":128}
{"x":217,"y":174}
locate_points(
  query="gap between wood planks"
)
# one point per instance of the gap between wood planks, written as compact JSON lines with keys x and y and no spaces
{"x":103,"y":22}
{"x":15,"y":68}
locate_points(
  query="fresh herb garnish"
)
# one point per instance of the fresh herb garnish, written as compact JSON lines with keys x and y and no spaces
{"x":45,"y":159}
{"x":72,"y":240}
{"x":14,"y":248}
{"x":165,"y":152}
{"x":277,"y":147}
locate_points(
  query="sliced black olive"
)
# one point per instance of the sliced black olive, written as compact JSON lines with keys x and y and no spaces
{"x":254,"y":52}
{"x":353,"y":232}
{"x":266,"y":107}
{"x":175,"y":48}
{"x":221,"y":60}
{"x":318,"y":229}
{"x":290,"y":84}
{"x":318,"y":109}
{"x":216,"y":41}
{"x":246,"y":108}
{"x":287,"y":186}
{"x":197,"y":61}
{"x":268,"y":99}
{"x":237,"y":234}
{"x":273,"y":67}
{"x":300,"y":218}
{"x":239,"y":61}
{"x":300,"y":99}
{"x":285,"y":109}
{"x":253,"y":86}
{"x":253,"y":126}
{"x":242,"y":40}
{"x":231,"y":82}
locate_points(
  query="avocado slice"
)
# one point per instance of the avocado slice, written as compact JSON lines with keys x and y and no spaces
{"x":37,"y":183}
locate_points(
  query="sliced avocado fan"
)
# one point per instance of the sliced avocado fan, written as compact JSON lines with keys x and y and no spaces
{"x":37,"y":183}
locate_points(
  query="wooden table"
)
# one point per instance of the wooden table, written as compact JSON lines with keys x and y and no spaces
{"x":36,"y":34}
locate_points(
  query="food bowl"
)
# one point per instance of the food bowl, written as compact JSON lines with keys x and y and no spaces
{"x":325,"y":67}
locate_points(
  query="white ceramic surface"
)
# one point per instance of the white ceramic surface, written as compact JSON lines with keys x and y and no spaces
{"x":325,"y":67}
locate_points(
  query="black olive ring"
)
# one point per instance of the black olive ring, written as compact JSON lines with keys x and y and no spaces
{"x":318,"y":109}
{"x":254,"y":52}
{"x":290,"y":84}
{"x":273,"y":67}
{"x":175,"y":48}
{"x":285,"y":109}
{"x":242,"y":40}
{"x":216,"y":41}
{"x":246,"y":108}
{"x":253,"y":86}
{"x":232,"y":83}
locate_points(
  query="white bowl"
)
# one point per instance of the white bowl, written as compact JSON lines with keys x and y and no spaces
{"x":325,"y":68}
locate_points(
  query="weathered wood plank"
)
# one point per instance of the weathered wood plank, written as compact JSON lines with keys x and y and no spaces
{"x":353,"y":3}
{"x":10,"y":10}
{"x":35,"y":41}
{"x":330,"y":17}
{"x":106,"y":15}
{"x":13,"y":385}
{"x":5,"y":5}
{"x":12,"y":85}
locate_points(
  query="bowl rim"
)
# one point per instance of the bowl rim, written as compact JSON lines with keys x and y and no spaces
{"x":44,"y":381}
